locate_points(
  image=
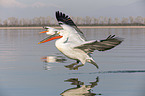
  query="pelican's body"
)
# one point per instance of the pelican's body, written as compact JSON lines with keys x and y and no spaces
{"x":66,"y":46}
{"x":72,"y":43}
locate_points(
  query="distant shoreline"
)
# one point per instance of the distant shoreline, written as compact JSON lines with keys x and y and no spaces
{"x":78,"y":27}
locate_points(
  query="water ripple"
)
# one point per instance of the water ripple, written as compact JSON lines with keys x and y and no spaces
{"x":115,"y":71}
{"x":119,"y":71}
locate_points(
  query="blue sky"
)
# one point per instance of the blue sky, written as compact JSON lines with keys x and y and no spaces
{"x":93,"y":8}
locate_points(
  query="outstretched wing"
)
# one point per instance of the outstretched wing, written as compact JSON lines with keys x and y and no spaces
{"x":65,"y":19}
{"x":101,"y":45}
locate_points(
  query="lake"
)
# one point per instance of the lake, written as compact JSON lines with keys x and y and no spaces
{"x":25,"y":69}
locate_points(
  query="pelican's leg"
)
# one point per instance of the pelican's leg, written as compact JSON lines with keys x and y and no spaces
{"x":93,"y":62}
{"x":95,"y":65}
{"x":72,"y":65}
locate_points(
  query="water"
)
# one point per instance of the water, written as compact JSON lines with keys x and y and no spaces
{"x":24,"y":70}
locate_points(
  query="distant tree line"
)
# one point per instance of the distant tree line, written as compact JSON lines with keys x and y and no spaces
{"x":83,"y":21}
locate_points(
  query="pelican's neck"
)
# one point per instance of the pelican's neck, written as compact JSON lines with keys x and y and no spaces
{"x":65,"y":37}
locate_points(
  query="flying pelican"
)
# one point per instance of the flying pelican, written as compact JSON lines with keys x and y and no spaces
{"x":73,"y":44}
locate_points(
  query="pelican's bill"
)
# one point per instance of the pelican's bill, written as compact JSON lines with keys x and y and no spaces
{"x":52,"y":37}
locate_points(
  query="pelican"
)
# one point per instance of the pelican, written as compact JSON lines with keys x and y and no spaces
{"x":73,"y":44}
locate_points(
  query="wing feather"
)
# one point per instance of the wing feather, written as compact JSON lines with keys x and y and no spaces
{"x":101,"y":45}
{"x":65,"y":19}
{"x":62,"y":18}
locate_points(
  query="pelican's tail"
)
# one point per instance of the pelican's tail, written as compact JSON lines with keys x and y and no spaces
{"x":92,"y":62}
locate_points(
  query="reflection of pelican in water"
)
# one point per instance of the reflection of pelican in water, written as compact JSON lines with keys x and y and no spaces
{"x":53,"y":59}
{"x":47,"y":67}
{"x":81,"y":89}
{"x":72,"y":43}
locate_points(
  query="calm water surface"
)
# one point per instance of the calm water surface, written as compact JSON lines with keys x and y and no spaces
{"x":26,"y":71}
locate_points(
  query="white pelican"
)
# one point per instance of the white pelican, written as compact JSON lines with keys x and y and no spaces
{"x":72,"y":42}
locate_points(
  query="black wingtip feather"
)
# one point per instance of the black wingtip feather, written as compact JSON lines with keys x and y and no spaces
{"x":61,"y":17}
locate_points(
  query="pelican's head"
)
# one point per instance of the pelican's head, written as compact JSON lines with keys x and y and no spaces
{"x":49,"y":30}
{"x":55,"y":34}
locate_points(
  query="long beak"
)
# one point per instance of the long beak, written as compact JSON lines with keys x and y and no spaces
{"x":43,"y":31}
{"x":52,"y":37}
